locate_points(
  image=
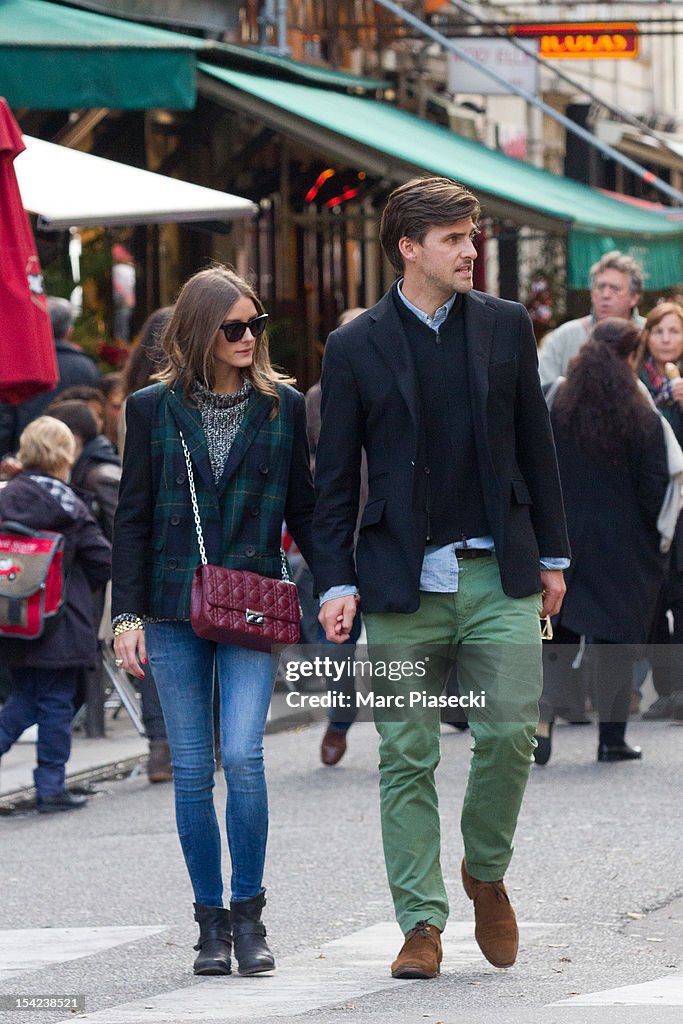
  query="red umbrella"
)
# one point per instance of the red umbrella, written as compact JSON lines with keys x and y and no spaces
{"x":28,"y":364}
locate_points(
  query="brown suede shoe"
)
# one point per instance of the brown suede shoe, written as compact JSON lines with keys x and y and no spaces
{"x":421,"y":953}
{"x":495,"y":924}
{"x":333,"y":746}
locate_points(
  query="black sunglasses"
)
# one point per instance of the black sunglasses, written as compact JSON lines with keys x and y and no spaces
{"x":235,"y":330}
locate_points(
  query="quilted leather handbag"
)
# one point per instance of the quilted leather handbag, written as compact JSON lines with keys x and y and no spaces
{"x":234,"y":606}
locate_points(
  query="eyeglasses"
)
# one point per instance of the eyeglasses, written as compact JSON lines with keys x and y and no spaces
{"x":235,"y":330}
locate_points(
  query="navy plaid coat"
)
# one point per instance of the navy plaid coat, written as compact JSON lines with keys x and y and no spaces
{"x":266,"y":480}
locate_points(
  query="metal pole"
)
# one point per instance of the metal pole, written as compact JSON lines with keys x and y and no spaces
{"x":273,"y":14}
{"x":282,"y":47}
{"x":265,"y":19}
{"x":647,"y":176}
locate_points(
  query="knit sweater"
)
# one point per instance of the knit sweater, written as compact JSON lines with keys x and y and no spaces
{"x":221,"y":418}
{"x":448,"y":487}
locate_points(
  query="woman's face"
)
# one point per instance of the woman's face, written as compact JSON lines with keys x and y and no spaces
{"x":666,"y":339}
{"x":236,"y":354}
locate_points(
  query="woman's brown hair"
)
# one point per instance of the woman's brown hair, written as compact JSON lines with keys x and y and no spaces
{"x":147,"y":354}
{"x":600,"y":406}
{"x":199,"y":311}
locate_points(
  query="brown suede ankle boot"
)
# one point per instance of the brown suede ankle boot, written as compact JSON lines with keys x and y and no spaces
{"x":495,"y":924}
{"x":159,"y":762}
{"x":421,"y":953}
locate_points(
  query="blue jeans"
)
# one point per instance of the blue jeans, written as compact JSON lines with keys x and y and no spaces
{"x":152,"y":715}
{"x":46,"y":697}
{"x":183,"y":666}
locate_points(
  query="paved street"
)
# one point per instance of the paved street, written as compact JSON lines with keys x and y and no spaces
{"x":97,"y":902}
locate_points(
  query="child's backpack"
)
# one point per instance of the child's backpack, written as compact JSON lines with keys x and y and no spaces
{"x":31,"y":579}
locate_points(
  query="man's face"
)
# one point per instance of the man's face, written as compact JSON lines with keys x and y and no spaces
{"x":612,"y":296}
{"x":443,"y":262}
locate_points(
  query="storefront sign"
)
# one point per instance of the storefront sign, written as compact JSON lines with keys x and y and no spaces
{"x":601,"y":40}
{"x":512,"y":62}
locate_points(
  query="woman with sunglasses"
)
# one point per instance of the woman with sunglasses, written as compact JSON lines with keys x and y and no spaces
{"x":245,"y":428}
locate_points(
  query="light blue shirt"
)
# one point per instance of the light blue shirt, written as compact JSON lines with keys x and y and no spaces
{"x":440,"y":564}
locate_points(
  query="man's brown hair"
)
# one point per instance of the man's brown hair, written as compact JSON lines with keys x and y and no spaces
{"x":423,"y":203}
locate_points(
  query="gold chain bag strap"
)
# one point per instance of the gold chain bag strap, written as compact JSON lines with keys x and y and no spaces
{"x":234,"y":606}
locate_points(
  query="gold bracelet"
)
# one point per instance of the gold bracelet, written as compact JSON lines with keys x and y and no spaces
{"x":124,"y":623}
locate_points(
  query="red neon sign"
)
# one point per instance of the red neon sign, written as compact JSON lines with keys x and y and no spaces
{"x":599,"y":40}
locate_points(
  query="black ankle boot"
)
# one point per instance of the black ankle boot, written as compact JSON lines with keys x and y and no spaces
{"x":544,"y":746}
{"x":215,"y":940}
{"x":251,"y":948}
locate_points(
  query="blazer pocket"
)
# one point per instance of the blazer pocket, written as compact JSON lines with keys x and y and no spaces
{"x":520,"y":492}
{"x":373,"y":513}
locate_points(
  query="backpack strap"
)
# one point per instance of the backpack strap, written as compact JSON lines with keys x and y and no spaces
{"x":12,"y":526}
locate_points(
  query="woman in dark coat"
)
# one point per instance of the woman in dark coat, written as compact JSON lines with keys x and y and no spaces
{"x":613,"y":465}
{"x":45,"y":671}
{"x":661,"y":373}
{"x":245,"y":429}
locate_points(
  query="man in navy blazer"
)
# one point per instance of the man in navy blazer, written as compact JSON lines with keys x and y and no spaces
{"x":462,"y":545}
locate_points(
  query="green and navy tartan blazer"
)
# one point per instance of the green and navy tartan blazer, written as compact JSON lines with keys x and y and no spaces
{"x":266,"y":480}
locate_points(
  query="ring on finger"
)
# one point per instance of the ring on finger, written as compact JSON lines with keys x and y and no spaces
{"x":118,"y":662}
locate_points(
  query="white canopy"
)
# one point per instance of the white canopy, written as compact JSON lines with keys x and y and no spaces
{"x":67,"y":188}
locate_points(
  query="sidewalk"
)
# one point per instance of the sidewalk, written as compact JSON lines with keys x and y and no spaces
{"x":116,"y":753}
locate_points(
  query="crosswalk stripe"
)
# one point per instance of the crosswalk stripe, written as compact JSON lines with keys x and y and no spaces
{"x":347,"y":968}
{"x":666,"y":991}
{"x":29,"y":949}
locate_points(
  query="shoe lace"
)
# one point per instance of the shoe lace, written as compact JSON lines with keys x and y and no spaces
{"x":421,"y":928}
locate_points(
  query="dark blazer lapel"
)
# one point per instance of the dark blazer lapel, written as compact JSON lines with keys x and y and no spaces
{"x":389,"y":337}
{"x":258,"y":409}
{"x":188,"y":419}
{"x":480,"y":321}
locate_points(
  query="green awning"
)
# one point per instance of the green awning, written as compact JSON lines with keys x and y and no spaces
{"x":275,"y":66}
{"x":59,"y":58}
{"x":394,"y":144}
{"x":659,"y":257}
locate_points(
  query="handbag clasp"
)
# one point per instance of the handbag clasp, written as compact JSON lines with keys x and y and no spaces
{"x":253,"y":618}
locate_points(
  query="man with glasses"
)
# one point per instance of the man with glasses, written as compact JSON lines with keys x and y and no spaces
{"x":461,"y":547}
{"x":616,"y":288}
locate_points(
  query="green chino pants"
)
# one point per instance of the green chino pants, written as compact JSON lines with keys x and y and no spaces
{"x":495,"y":642}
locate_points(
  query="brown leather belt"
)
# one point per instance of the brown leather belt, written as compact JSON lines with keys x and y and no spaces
{"x":473,"y":552}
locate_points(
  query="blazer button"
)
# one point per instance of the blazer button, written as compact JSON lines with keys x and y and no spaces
{"x":172,"y":563}
{"x":175,"y":520}
{"x":250,"y":552}
{"x":427,"y":470}
{"x":255,"y":510}
{"x":264,"y":469}
{"x":180,"y":479}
